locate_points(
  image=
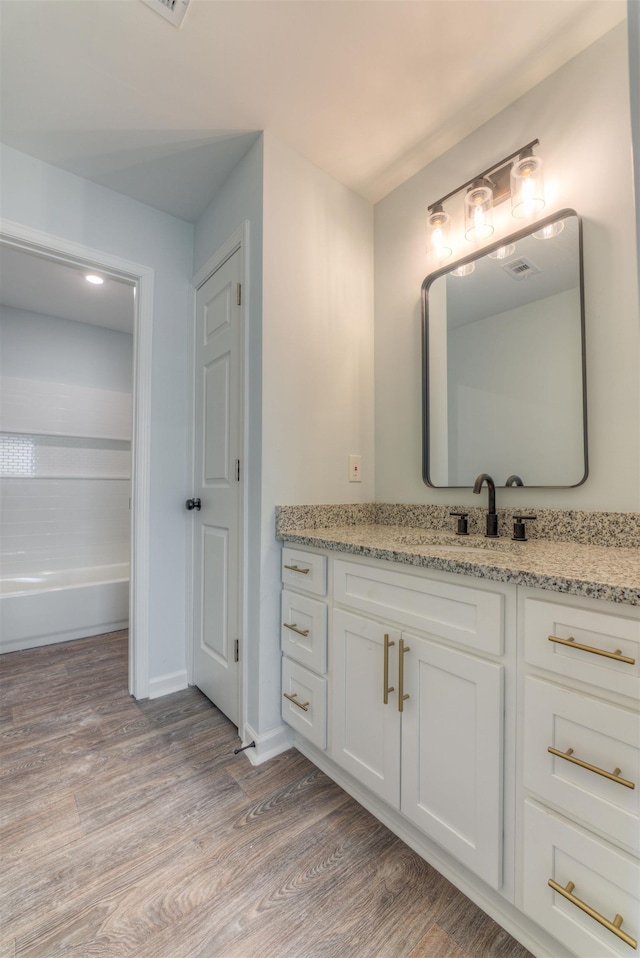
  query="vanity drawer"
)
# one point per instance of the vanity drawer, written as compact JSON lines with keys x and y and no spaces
{"x":471,"y":617}
{"x":605,"y":879}
{"x":303,"y":630}
{"x":599,"y":648}
{"x":304,"y":570}
{"x":304,"y":702}
{"x":603,"y":737}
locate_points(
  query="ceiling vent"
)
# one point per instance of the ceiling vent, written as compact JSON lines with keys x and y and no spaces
{"x":520,"y":268}
{"x":171,"y":10}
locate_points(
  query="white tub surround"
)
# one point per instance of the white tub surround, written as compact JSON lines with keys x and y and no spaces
{"x":480,"y":697}
{"x":43,"y":608}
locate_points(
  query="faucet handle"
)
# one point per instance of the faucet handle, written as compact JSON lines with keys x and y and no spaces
{"x":519,"y":531}
{"x":463,"y":528}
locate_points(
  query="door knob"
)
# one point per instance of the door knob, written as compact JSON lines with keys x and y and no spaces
{"x":193,"y":504}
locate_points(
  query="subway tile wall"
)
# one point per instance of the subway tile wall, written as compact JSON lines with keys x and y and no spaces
{"x":38,"y":406}
{"x":24,"y":455}
{"x":64,"y":497}
{"x":52,"y":524}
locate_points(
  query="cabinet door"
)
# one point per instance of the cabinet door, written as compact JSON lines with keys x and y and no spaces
{"x":452,"y":734}
{"x":365,"y":730}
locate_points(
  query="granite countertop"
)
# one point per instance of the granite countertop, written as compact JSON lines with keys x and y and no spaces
{"x":603,"y":572}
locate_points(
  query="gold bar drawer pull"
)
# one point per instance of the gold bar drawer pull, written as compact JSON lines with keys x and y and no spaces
{"x":388,"y":643}
{"x":613,"y":776}
{"x":296,"y":568}
{"x":294,"y":628}
{"x":571,"y":642}
{"x":292,"y":698}
{"x":402,"y":695}
{"x":614,"y":926}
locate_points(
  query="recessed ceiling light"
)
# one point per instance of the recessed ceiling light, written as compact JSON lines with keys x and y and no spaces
{"x":92,"y":278}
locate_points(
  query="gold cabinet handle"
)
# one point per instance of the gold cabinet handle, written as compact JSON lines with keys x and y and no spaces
{"x":402,"y":696}
{"x":612,"y":776}
{"x":614,"y":926}
{"x":296,"y":568}
{"x":571,"y":642}
{"x":387,"y":688}
{"x":292,"y":698}
{"x":294,"y":628}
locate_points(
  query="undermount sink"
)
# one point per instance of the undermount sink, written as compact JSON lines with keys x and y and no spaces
{"x":449,"y":542}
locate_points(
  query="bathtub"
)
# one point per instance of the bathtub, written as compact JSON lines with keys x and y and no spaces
{"x":42,"y":608}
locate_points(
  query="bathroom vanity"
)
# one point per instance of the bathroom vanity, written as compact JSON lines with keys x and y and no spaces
{"x":481,"y":698}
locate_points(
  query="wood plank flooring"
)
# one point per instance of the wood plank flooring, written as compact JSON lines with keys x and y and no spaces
{"x":130,"y":830}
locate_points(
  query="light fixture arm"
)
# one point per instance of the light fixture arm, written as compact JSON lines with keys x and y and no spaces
{"x":486,"y":174}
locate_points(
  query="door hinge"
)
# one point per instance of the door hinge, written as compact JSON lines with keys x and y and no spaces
{"x":236,"y":650}
{"x":239,"y":294}
{"x":237,"y":470}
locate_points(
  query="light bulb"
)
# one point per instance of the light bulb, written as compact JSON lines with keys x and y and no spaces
{"x":438,"y":225}
{"x":478,"y":211}
{"x":527,"y":187}
{"x":96,"y":280}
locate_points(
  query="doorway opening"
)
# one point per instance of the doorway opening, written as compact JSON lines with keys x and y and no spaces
{"x":74,"y":440}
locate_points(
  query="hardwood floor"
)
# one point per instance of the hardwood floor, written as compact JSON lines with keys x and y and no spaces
{"x":130,"y":830}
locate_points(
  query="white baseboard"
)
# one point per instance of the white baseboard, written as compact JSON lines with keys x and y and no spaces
{"x":268,"y":745}
{"x":55,"y":638}
{"x":166,"y":684}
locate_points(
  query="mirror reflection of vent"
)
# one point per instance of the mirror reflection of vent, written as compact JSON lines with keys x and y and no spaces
{"x":171,"y":10}
{"x":520,"y":268}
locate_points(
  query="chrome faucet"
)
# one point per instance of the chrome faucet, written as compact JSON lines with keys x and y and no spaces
{"x":492,"y":518}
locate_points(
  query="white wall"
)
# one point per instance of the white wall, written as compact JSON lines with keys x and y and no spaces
{"x":317,"y":363}
{"x":65,"y":451}
{"x":633,"y":8}
{"x":581,"y":114}
{"x":45,"y":198}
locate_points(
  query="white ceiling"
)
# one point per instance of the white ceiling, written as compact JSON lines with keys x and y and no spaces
{"x":368,"y":90}
{"x":51,"y":288}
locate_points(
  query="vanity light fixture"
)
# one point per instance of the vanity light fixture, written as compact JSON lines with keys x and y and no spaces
{"x":478,"y":211}
{"x":518,"y":176}
{"x":527,"y":185}
{"x":438,"y":223}
{"x":95,"y":280}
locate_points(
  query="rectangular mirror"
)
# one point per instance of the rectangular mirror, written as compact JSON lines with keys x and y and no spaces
{"x":504,"y":389}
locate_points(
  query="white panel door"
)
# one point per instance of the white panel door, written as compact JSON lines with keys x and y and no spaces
{"x":452,"y":732}
{"x":218,"y":439}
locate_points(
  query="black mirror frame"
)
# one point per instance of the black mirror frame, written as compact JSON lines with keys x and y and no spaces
{"x":477,"y":254}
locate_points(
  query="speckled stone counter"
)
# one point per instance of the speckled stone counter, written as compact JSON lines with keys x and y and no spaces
{"x":607,"y":572}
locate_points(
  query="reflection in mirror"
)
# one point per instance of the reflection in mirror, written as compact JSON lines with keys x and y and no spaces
{"x":503,"y":362}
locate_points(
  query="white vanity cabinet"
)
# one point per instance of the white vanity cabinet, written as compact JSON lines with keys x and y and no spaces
{"x":303,"y":641}
{"x":580,"y":792}
{"x":493,"y":727}
{"x":415,"y":719}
